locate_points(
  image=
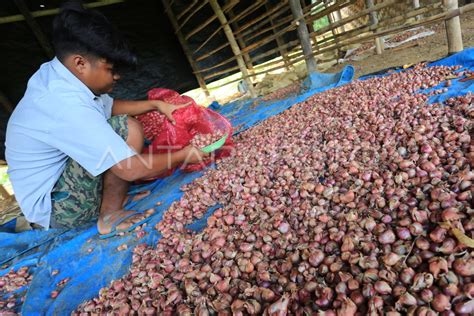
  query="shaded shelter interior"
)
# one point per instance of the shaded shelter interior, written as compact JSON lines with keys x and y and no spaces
{"x":146,"y":26}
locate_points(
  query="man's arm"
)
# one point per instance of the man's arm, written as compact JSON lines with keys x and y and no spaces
{"x":143,"y":166}
{"x":133,"y":108}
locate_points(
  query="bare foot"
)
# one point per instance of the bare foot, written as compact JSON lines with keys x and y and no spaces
{"x":105,"y":222}
{"x":136,"y":197}
{"x":141,"y":195}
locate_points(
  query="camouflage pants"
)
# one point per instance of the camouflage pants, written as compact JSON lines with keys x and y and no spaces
{"x":77,"y":195}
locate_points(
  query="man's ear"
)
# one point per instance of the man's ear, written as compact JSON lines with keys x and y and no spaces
{"x":80,"y":63}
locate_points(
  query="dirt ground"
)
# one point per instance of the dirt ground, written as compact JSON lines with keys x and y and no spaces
{"x":428,"y":49}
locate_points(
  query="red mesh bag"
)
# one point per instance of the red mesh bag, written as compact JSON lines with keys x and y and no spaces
{"x":190,"y":120}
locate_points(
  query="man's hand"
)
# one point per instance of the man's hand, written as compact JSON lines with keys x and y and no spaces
{"x":167,"y":109}
{"x":193,"y":155}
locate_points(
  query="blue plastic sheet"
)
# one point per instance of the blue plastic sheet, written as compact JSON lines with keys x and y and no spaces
{"x":457,"y":88}
{"x":92,"y":263}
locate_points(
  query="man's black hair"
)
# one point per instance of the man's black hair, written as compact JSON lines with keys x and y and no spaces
{"x":80,"y":31}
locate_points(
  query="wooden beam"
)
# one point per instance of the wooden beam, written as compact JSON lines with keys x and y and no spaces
{"x":212,"y":52}
{"x":227,"y":7}
{"x":40,"y":13}
{"x":185,"y":47}
{"x":35,"y":27}
{"x":379,"y":44}
{"x":336,"y":6}
{"x":279,"y":9}
{"x":338,"y":17}
{"x":180,"y":26}
{"x":331,"y":23}
{"x":416,"y":5}
{"x":233,"y":44}
{"x":355,"y":39}
{"x":279,"y":40}
{"x":183,"y":13}
{"x":453,"y":28}
{"x":240,"y":41}
{"x":353,"y":17}
{"x":303,"y":35}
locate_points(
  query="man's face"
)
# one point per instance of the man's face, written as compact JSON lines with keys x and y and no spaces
{"x":99,"y":76}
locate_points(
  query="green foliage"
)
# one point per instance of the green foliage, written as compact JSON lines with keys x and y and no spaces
{"x":322,"y":22}
{"x":318,"y":24}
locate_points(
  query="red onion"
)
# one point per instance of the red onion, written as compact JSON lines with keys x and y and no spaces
{"x":440,"y":303}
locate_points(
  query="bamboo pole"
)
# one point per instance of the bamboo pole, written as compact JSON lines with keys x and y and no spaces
{"x":364,"y":29}
{"x":262,"y":72}
{"x":338,"y":16}
{"x":35,"y":28}
{"x":360,"y":14}
{"x":453,"y":28}
{"x":291,"y":44}
{"x":431,"y":20}
{"x":226,"y":8}
{"x":403,"y":17}
{"x":258,"y":30}
{"x":416,"y":5}
{"x":279,"y":41}
{"x":259,"y":57}
{"x":233,"y":44}
{"x":352,"y":32}
{"x":229,"y":6}
{"x":379,"y":44}
{"x":251,"y":9}
{"x":185,"y":47}
{"x":270,"y":38}
{"x":40,"y":13}
{"x":186,"y":10}
{"x":212,"y":52}
{"x":292,"y":27}
{"x":241,"y":42}
{"x":331,"y":23}
{"x":328,"y":10}
{"x":171,"y":5}
{"x":338,"y":24}
{"x":303,"y":7}
{"x":303,"y":35}
{"x":180,"y":26}
{"x":277,"y":10}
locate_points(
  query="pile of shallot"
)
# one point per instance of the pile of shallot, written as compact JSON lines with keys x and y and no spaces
{"x":357,"y":201}
{"x":10,"y":283}
{"x":203,"y":140}
{"x":283,"y":93}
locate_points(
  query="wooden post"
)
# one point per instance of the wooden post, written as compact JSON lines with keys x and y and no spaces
{"x":453,"y":29}
{"x":303,"y":35}
{"x":185,"y":47}
{"x":416,"y":5}
{"x":241,"y":42}
{"x":40,"y":36}
{"x":379,"y":43}
{"x":333,"y":30}
{"x":338,"y":17}
{"x":279,"y":41}
{"x":234,"y":46}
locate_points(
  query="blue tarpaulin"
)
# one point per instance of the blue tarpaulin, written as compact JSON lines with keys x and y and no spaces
{"x":92,"y":263}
